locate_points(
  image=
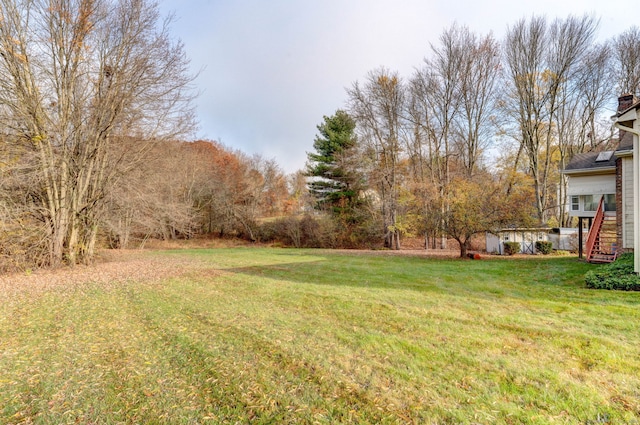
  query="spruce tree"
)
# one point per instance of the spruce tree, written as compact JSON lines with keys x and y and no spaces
{"x":335,"y":180}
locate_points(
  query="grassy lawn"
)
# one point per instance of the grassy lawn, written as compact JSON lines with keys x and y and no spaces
{"x":300,"y":336}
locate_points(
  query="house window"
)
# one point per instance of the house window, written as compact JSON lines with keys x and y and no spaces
{"x":575,"y":203}
{"x":589,"y":203}
{"x":610,"y":202}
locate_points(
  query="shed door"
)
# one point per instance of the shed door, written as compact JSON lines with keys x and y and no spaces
{"x":528,"y":243}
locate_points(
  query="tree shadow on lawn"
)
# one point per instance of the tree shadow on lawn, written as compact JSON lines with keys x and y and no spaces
{"x":523,"y":278}
{"x":519,"y":290}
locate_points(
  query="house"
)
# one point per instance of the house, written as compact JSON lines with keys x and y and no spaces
{"x":601,"y":188}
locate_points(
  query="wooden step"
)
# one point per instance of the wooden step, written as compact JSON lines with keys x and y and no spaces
{"x":602,"y":258}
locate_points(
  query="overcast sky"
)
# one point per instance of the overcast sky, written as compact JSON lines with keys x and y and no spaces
{"x":269,"y":70}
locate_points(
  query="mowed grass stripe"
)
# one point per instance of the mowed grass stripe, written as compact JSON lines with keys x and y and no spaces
{"x":285,"y":336}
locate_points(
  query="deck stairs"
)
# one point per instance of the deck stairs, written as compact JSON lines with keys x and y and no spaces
{"x":601,"y":240}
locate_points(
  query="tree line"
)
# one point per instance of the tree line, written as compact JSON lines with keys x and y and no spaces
{"x":94,"y":96}
{"x":476,"y":138}
{"x":96,"y":105}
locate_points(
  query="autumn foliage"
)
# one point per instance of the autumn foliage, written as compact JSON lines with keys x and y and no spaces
{"x":190,"y":189}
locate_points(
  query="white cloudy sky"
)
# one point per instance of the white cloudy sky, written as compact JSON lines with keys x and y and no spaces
{"x":270,"y":69}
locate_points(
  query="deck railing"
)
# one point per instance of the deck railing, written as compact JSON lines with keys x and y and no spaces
{"x":595,"y":228}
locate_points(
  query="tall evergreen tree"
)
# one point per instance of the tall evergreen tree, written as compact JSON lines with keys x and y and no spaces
{"x":335,"y":179}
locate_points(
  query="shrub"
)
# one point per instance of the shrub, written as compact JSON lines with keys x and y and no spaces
{"x":322,"y":231}
{"x":22,"y":247}
{"x":366,"y":234}
{"x":299,"y":232}
{"x":511,"y":248}
{"x":617,"y":275}
{"x":268,"y":231}
{"x":318,"y":232}
{"x":287,"y":231}
{"x":544,"y":247}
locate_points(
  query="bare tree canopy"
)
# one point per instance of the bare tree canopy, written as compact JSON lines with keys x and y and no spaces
{"x":377,"y":106}
{"x":626,"y":64}
{"x":541,"y":58}
{"x":80,"y":82}
{"x":96,"y":101}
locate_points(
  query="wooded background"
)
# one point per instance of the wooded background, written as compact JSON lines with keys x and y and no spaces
{"x":96,"y":148}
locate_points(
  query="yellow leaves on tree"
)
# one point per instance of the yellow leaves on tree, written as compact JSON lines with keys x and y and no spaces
{"x":479,"y":205}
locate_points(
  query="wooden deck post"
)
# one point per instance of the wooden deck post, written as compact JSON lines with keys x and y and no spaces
{"x":579,"y":237}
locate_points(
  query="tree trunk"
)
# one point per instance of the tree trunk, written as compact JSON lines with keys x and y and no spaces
{"x":463,"y":248}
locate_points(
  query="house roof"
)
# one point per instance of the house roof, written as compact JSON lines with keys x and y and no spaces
{"x":626,"y":143}
{"x":587,"y":162}
{"x":593,"y":162}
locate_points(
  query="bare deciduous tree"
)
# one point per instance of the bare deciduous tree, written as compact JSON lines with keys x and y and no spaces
{"x":541,"y":58}
{"x":626,"y":63}
{"x":432,"y":109}
{"x":582,"y":102}
{"x":377,"y":107}
{"x":479,"y":74}
{"x":80,"y":82}
{"x":452,"y":99}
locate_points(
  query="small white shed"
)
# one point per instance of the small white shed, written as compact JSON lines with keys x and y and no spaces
{"x":527,"y":237}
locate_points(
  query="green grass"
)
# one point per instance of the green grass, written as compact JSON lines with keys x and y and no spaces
{"x":286,"y":336}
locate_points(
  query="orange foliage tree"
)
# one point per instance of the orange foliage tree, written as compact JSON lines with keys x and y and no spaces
{"x":236,"y":190}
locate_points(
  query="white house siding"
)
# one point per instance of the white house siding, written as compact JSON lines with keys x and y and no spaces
{"x":591,"y":185}
{"x":627,"y":199}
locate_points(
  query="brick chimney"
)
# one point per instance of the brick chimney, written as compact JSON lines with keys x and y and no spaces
{"x":626,"y":101}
